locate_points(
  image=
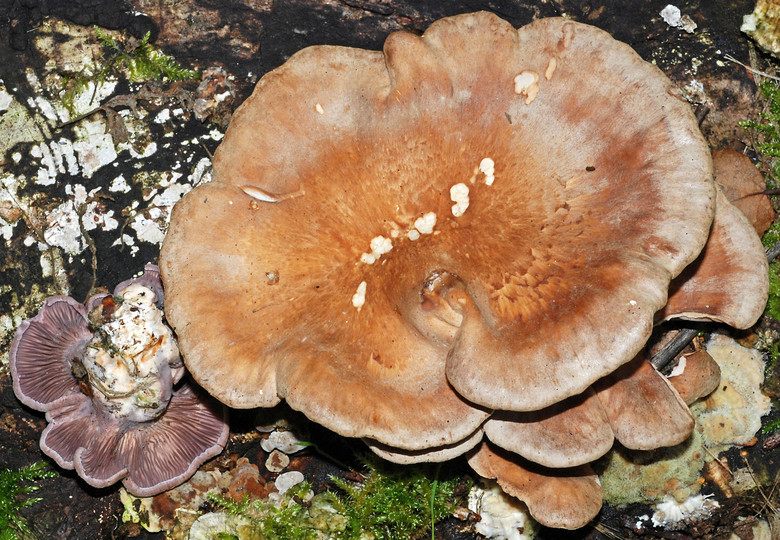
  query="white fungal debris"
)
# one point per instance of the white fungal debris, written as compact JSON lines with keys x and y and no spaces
{"x":459,"y":194}
{"x":674,"y":17}
{"x":501,"y":516}
{"x":669,"y":511}
{"x":527,"y":84}
{"x":426,"y":223}
{"x":127,"y":362}
{"x":359,"y":298}
{"x":551,"y":65}
{"x":259,"y":194}
{"x":488,"y":167}
{"x":679,"y":368}
{"x":379,"y":246}
{"x":319,"y":109}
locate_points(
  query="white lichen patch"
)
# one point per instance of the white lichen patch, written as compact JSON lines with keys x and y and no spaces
{"x":94,"y":147}
{"x":201,"y":174}
{"x":119,"y":185}
{"x":669,"y":512}
{"x":5,"y":99}
{"x":459,"y":194}
{"x":501,"y":516}
{"x":527,"y":84}
{"x":488,"y":167}
{"x":359,"y":298}
{"x":147,"y":229}
{"x":63,"y":229}
{"x":128,"y":361}
{"x":379,"y":245}
{"x":162,"y":116}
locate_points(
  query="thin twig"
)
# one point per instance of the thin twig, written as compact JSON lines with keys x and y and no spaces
{"x":681,"y":340}
{"x":667,"y":354}
{"x":773,"y":252}
{"x":750,"y":69}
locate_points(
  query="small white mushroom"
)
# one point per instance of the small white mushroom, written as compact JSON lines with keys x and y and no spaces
{"x":277,"y":461}
{"x":287,"y":480}
{"x":283,"y":440}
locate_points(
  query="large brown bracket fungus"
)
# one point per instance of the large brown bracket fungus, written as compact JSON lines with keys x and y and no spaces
{"x":469,"y":233}
{"x":105,"y":374}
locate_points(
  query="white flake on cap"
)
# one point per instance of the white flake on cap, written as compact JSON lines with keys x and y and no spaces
{"x":527,"y":84}
{"x":459,"y":193}
{"x":359,"y":298}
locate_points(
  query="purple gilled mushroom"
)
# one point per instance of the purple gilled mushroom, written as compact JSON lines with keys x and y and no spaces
{"x":104,"y":376}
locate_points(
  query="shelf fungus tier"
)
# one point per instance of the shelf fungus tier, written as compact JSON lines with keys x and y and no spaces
{"x":478,"y":219}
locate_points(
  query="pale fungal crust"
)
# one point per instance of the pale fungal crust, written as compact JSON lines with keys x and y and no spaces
{"x":605,"y":194}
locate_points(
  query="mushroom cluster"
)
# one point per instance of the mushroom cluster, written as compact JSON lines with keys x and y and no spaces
{"x":461,"y":245}
{"x":104,"y":374}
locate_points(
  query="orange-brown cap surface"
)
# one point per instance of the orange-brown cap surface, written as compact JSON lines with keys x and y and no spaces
{"x":503,"y":206}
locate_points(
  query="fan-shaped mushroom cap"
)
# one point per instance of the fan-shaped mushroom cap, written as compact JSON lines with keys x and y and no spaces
{"x":42,"y":349}
{"x":105,"y":444}
{"x":561,"y":498}
{"x":695,"y":376}
{"x":744,"y":185}
{"x":644,"y":410}
{"x":427,"y":455}
{"x":572,"y":432}
{"x":546,"y":173}
{"x":729,"y":281}
{"x":193,"y":429}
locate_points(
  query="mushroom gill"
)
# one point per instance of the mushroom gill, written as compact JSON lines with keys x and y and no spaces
{"x":464,"y":232}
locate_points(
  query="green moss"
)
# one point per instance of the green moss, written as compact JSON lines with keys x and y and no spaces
{"x":393,"y":503}
{"x":13,"y":497}
{"x":773,"y":302}
{"x":766,"y":130}
{"x":139,"y":61}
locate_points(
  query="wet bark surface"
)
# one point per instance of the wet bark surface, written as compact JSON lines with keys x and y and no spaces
{"x":247,"y":39}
